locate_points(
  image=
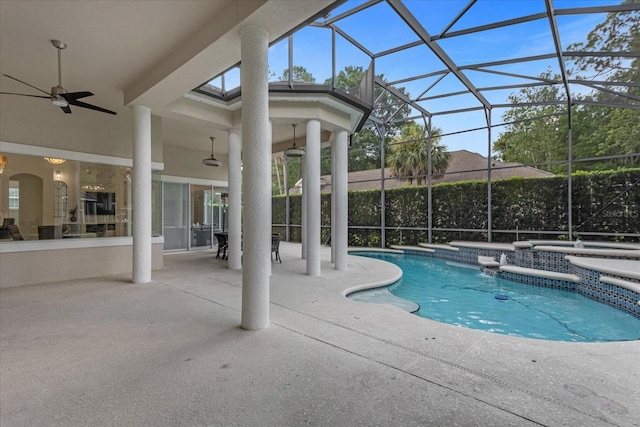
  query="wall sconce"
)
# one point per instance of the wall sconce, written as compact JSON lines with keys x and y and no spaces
{"x":3,"y":163}
{"x":58,"y":175}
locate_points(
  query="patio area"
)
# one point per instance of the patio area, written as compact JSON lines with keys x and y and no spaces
{"x":171,"y":352}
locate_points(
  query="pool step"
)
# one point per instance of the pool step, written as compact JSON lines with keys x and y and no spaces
{"x":540,"y":273}
{"x":632,"y":286}
{"x":483,"y":245}
{"x":437,"y":246}
{"x":412,"y":248}
{"x":487,"y":261}
{"x":384,"y":296}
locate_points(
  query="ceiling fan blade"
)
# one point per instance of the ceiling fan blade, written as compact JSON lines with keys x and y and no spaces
{"x":75,"y":95}
{"x":24,"y":94}
{"x":66,"y":109}
{"x":89,"y":106}
{"x":25,"y":83}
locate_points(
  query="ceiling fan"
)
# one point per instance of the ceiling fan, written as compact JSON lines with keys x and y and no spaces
{"x":59,"y":95}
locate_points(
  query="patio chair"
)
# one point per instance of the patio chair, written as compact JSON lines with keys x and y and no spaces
{"x":222,"y":245}
{"x":15,"y":232}
{"x":275,"y":247}
{"x":6,"y":227}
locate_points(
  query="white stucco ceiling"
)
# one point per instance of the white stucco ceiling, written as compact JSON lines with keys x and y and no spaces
{"x":137,"y":51}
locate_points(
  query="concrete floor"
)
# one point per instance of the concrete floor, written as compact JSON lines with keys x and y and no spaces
{"x":171,"y":353}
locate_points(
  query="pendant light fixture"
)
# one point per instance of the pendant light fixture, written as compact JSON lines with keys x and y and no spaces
{"x":294,"y":151}
{"x":212,"y":161}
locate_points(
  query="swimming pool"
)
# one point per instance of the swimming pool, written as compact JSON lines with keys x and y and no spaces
{"x":466,"y":297}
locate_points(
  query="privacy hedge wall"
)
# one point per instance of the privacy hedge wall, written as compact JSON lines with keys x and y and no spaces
{"x":603,"y":202}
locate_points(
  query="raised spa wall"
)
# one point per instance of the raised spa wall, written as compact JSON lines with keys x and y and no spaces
{"x":608,"y":274}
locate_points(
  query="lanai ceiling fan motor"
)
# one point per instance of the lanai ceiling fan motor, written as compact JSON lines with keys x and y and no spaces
{"x":59,"y":95}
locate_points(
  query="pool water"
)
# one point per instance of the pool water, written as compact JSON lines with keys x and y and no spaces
{"x":466,"y":297}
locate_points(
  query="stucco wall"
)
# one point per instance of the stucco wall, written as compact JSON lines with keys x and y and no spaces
{"x":37,"y":122}
{"x":180,"y":161}
{"x":60,"y":264}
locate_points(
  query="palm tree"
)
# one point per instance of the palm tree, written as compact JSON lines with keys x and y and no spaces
{"x":409,"y":160}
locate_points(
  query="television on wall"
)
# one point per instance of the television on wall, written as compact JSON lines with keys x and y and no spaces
{"x":99,"y":203}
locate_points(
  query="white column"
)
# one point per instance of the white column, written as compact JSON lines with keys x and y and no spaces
{"x":141,"y":194}
{"x":333,"y":201}
{"x":287,"y":232}
{"x":303,"y":208}
{"x":256,"y":185}
{"x":312,"y":173}
{"x":339,"y":187}
{"x":235,"y":200}
{"x":269,"y":212}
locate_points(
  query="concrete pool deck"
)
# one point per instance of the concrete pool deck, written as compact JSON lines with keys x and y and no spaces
{"x":109,"y":352}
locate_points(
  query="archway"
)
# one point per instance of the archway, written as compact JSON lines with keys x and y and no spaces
{"x":28,"y":192}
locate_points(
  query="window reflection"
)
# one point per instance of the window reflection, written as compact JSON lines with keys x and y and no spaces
{"x":71,"y":200}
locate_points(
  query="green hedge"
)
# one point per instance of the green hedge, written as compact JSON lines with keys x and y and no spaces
{"x":603,"y":202}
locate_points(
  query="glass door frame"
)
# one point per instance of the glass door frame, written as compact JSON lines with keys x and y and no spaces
{"x":217,"y":188}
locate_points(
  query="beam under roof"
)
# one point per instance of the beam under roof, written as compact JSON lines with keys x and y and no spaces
{"x":423,"y":34}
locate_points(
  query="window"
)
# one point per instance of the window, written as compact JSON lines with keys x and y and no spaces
{"x":14,"y":196}
{"x":73,"y":200}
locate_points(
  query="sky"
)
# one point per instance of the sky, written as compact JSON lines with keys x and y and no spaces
{"x":379,"y":28}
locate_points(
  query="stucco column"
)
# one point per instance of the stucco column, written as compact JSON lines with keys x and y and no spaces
{"x":333,"y":200}
{"x":339,"y":187}
{"x":303,"y":208}
{"x":287,"y":221}
{"x":141,"y":194}
{"x":235,"y":200}
{"x":312,"y":173}
{"x":256,"y":185}
{"x":269,"y":213}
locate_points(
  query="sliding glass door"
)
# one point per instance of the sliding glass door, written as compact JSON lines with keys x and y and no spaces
{"x":175,"y":226}
{"x":202,"y":223}
{"x":192,"y":215}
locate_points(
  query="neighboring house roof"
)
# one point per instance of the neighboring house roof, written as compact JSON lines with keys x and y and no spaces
{"x":463,"y":166}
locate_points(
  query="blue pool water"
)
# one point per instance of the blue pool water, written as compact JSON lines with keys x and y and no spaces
{"x":466,"y":297}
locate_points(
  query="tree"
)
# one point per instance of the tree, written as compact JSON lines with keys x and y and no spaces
{"x":535,"y":135}
{"x":619,"y":135}
{"x":618,"y":129}
{"x":597,"y":130}
{"x":300,"y":74}
{"x":364,"y":153}
{"x":348,"y":78}
{"x":387,"y":105}
{"x":620,"y":32}
{"x":409,"y":160}
{"x":278,"y":165}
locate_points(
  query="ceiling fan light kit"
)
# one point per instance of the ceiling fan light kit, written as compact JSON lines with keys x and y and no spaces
{"x":56,"y":97}
{"x":294,"y":151}
{"x":212,"y":161}
{"x":59,"y":95}
{"x":59,"y":102}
